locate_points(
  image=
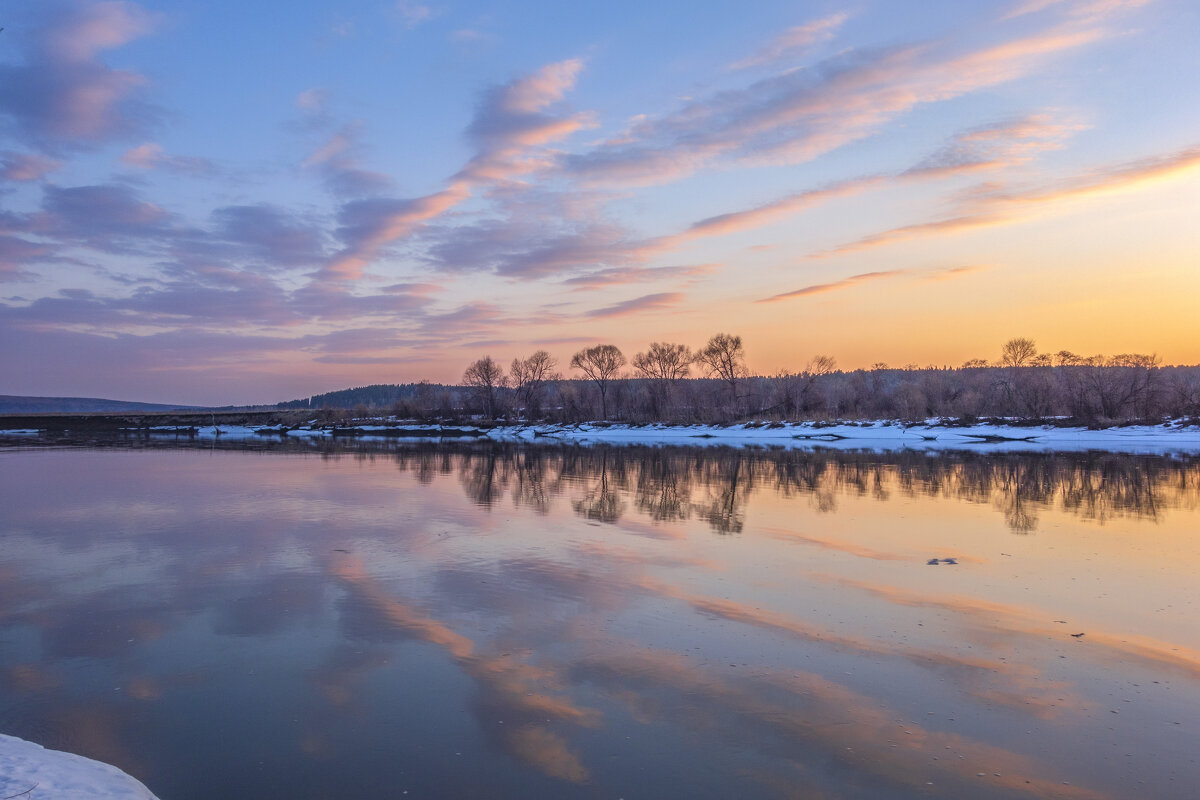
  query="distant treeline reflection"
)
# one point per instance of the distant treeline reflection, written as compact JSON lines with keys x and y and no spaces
{"x":716,"y":484}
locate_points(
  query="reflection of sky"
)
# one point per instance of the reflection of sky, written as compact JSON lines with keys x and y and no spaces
{"x":512,"y":622}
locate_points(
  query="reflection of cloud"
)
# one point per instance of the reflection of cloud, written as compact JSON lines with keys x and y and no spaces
{"x":29,"y":678}
{"x":988,"y":616}
{"x":805,"y":715}
{"x":512,"y":690}
{"x":1007,"y":683}
{"x":840,"y":545}
{"x":546,"y":751}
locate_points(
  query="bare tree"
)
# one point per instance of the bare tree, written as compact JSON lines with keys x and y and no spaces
{"x":724,"y":358}
{"x":1027,"y":387}
{"x":486,"y":377}
{"x":1125,"y":384}
{"x":665,"y":362}
{"x":1018,"y":352}
{"x":601,"y":364}
{"x":663,"y":365}
{"x":530,"y":376}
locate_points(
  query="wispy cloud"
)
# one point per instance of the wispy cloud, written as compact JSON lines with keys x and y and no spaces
{"x":822,"y":288}
{"x":797,"y":115}
{"x":338,"y":164}
{"x":999,"y":145}
{"x":21,"y":167}
{"x":649,"y":302}
{"x":150,"y":155}
{"x":624,"y":276}
{"x":993,"y":205}
{"x":412,"y":14}
{"x":793,"y":42}
{"x":945,"y":274}
{"x":1088,"y":9}
{"x":15,"y":252}
{"x":511,"y":126}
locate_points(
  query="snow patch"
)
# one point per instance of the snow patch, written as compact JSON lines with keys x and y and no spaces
{"x":62,"y":776}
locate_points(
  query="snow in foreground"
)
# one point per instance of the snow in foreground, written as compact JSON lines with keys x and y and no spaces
{"x":29,"y":770}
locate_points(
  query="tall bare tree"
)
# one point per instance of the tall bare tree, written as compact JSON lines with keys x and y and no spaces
{"x":724,"y":358}
{"x":601,"y":365}
{"x":529,"y":377}
{"x":1018,"y":352}
{"x":664,"y":365}
{"x":486,"y":377}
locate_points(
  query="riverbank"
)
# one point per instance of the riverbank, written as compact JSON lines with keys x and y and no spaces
{"x":1173,"y":436}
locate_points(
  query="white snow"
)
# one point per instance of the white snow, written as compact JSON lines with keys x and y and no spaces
{"x":880,"y":436}
{"x":53,"y":774}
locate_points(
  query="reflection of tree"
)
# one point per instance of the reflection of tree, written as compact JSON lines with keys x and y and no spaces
{"x":533,"y":486}
{"x":804,"y":473}
{"x":483,"y":479}
{"x":715,"y":484}
{"x":728,"y":480}
{"x":663,"y":490}
{"x":602,"y":502}
{"x":1021,"y":487}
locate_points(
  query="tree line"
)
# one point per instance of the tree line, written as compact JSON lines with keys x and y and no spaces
{"x":670,"y":382}
{"x":674,"y":383}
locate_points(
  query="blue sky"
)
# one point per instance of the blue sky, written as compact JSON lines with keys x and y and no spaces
{"x":223,"y":203}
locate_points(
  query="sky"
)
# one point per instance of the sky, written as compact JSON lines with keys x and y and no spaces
{"x":212,"y":202}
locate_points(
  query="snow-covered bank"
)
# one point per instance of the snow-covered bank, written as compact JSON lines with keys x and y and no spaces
{"x":1172,"y":437}
{"x":26,"y":766}
{"x":882,"y":436}
{"x":879,"y":435}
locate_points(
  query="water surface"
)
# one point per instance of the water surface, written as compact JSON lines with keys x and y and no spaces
{"x":486,"y":620}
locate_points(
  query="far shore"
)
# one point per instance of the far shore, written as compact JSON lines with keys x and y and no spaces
{"x":1170,"y":436}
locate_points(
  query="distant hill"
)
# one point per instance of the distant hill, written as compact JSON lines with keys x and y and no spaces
{"x":378,"y":395}
{"x":15,"y":404}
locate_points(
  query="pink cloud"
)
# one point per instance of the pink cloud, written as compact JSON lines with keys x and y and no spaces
{"x":624,"y":276}
{"x":370,"y":225}
{"x":63,"y":95}
{"x":16,"y":252}
{"x":845,"y":283}
{"x":145,"y":156}
{"x":26,"y":167}
{"x":945,"y":274}
{"x":798,"y":38}
{"x":510,"y":128}
{"x":337,"y":163}
{"x":992,"y":205}
{"x":797,"y":115}
{"x":512,"y":123}
{"x":649,"y":302}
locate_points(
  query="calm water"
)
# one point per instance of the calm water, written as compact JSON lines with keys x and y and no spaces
{"x":478,"y":621}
